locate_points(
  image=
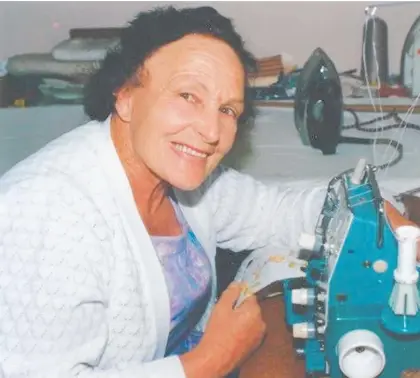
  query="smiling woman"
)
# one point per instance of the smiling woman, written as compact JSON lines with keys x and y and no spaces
{"x":181,"y":119}
{"x":108,"y":234}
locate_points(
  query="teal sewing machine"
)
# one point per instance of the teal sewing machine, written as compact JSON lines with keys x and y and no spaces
{"x":356,"y":312}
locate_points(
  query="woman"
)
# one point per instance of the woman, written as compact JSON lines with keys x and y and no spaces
{"x":108,"y":234}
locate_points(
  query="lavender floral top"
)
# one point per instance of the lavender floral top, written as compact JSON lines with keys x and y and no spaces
{"x":187,"y":272}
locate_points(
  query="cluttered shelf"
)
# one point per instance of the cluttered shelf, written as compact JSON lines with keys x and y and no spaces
{"x":279,"y":81}
{"x":58,"y":76}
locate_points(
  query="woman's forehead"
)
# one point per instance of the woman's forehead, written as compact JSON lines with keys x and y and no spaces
{"x":197,"y":57}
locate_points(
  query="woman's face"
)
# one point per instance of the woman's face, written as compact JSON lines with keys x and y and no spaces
{"x":183,"y":116}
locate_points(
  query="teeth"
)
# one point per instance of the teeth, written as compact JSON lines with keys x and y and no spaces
{"x":190,"y":151}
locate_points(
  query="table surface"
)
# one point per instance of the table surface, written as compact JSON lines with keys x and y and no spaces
{"x":275,"y":152}
{"x":276,"y":357}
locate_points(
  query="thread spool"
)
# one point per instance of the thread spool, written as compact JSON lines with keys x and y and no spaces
{"x":405,"y":299}
{"x":375,"y":68}
{"x":406,"y":271}
{"x":361,"y":354}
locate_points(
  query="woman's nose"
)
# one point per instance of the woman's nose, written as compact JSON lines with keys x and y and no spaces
{"x":208,"y":126}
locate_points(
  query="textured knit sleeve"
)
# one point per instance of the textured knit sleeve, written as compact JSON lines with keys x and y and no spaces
{"x":248,"y":214}
{"x":55,"y":277}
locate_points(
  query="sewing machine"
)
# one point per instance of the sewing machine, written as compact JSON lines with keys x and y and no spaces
{"x":356,"y":312}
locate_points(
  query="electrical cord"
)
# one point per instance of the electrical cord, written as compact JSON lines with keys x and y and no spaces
{"x":384,"y":141}
{"x":399,"y":122}
{"x":361,"y":126}
{"x":392,"y":115}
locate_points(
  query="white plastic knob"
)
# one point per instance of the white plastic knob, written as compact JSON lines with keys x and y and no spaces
{"x":359,"y":171}
{"x":307,"y":241}
{"x":303,"y":330}
{"x":361,"y":354}
{"x":303,"y":296}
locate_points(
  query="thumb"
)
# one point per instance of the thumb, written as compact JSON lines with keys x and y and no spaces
{"x":231,"y":294}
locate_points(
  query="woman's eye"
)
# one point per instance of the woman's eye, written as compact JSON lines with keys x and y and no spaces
{"x":229,"y":111}
{"x":187,"y":96}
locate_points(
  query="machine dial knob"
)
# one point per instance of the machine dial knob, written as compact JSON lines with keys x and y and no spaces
{"x":303,"y":296}
{"x":308,"y":242}
{"x":303,"y":330}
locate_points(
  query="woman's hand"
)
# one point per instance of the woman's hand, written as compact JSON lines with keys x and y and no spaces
{"x":230,"y":337}
{"x":233,"y":334}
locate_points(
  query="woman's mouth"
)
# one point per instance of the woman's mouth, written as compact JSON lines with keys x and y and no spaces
{"x":190,"y":151}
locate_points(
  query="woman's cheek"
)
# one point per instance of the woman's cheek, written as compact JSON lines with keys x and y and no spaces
{"x":228,"y":130}
{"x":180,"y":113}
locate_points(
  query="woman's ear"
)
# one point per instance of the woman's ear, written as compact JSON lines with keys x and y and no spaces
{"x":124,"y":97}
{"x":124,"y":103}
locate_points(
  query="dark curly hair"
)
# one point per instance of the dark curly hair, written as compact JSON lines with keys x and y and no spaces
{"x":147,"y":33}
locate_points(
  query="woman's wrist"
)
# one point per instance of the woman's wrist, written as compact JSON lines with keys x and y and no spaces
{"x":199,"y":364}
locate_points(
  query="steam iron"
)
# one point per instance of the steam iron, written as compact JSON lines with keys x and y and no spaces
{"x":409,"y":64}
{"x":318,"y":106}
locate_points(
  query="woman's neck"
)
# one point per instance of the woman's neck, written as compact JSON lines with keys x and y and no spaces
{"x":149,"y":191}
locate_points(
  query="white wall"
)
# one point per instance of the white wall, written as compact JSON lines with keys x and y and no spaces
{"x":24,"y":131}
{"x":268,"y":27}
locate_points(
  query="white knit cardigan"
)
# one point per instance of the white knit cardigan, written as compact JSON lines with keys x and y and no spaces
{"x":82,"y":292}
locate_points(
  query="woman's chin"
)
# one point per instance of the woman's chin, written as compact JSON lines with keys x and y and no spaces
{"x":186,"y":182}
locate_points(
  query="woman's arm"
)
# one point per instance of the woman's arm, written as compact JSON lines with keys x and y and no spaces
{"x":248,"y":214}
